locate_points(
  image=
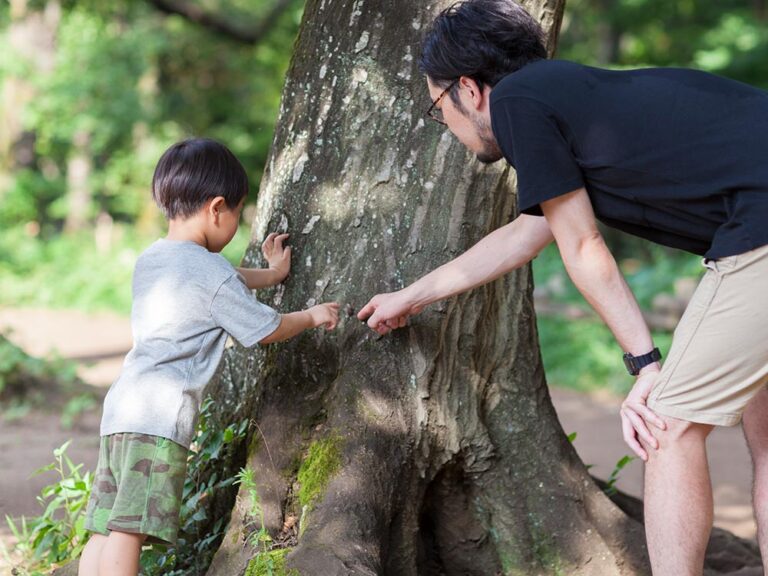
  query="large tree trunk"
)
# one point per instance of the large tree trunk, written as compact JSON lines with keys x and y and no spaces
{"x":451,"y":459}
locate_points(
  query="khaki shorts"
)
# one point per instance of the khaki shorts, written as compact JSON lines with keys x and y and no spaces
{"x":138,"y":487}
{"x":719,"y":355}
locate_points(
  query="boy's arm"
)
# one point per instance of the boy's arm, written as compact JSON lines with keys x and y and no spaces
{"x":295,"y":323}
{"x":279,"y":259}
{"x":256,"y":278}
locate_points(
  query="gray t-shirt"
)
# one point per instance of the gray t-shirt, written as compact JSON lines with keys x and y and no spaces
{"x":185,"y":302}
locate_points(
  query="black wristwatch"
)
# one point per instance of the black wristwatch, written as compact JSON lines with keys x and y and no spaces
{"x":635,"y":363}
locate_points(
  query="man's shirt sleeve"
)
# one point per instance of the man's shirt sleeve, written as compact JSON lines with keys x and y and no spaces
{"x":534,"y":141}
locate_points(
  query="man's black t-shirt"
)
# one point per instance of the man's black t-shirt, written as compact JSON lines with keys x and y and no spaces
{"x":679,"y":157}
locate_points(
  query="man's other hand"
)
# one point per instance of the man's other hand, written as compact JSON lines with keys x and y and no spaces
{"x":636,"y":416}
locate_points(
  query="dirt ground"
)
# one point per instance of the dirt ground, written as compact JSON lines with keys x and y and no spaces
{"x":98,"y":342}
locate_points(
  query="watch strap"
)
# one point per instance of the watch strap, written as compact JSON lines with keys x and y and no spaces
{"x":636,"y":363}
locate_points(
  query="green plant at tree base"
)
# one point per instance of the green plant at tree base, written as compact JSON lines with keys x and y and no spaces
{"x":610,"y":488}
{"x":270,"y":563}
{"x":58,"y":535}
{"x":246,"y":478}
{"x":610,"y":484}
{"x":323,"y":460}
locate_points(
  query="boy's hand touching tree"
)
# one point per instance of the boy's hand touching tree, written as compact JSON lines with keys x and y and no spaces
{"x":277,"y":255}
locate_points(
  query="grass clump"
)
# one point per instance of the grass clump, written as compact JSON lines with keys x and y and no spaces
{"x":271,"y":563}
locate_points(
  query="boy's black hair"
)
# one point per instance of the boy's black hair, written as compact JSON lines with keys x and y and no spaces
{"x":482,"y":39}
{"x":194,"y":171}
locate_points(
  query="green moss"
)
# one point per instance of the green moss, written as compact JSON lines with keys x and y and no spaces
{"x":321,"y":463}
{"x":546,"y":559}
{"x":270,"y":563}
{"x":545,"y":551}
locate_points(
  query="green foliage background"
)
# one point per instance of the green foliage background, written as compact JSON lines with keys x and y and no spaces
{"x":129,"y":81}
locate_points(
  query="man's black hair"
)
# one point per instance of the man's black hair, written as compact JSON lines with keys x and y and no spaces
{"x":194,"y":171}
{"x":482,"y":39}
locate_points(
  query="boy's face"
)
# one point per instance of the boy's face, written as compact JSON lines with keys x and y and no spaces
{"x":224,"y":222}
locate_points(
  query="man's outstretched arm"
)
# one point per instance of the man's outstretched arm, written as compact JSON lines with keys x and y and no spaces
{"x":501,"y":251}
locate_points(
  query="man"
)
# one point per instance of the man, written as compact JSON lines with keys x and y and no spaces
{"x":674,"y":156}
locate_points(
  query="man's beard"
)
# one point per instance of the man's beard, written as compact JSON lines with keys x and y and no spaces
{"x":489,"y":156}
{"x":491,"y":152}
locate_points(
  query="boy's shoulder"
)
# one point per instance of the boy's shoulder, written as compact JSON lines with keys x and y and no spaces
{"x":192,"y":261}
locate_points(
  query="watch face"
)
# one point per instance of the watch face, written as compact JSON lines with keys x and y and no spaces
{"x":635,"y":363}
{"x":629,"y":362}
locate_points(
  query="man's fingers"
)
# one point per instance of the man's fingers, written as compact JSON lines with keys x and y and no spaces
{"x":366,"y":311}
{"x":650,"y":416}
{"x":630,"y":437}
{"x":639,"y":425}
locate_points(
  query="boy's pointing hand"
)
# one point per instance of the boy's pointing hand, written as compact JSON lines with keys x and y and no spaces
{"x":325,"y":315}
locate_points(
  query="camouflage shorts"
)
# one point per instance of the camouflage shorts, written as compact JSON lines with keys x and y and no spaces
{"x":138,"y":487}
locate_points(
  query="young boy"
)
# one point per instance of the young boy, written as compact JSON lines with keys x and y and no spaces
{"x":186,"y":300}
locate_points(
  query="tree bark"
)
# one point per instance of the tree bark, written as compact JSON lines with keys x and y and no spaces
{"x":452,"y":459}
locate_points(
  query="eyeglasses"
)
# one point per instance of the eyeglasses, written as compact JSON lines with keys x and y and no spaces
{"x":435,"y":113}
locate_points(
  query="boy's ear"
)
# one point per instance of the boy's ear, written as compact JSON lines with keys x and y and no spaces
{"x":216,"y":206}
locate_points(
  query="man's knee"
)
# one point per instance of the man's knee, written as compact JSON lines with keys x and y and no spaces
{"x":681,"y":433}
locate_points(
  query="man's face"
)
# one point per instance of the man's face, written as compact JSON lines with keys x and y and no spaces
{"x":471,"y":126}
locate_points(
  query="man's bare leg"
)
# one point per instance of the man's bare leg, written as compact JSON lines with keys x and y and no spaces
{"x":678,"y":499}
{"x":89,"y":559}
{"x":756,"y":430}
{"x":120,"y":554}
